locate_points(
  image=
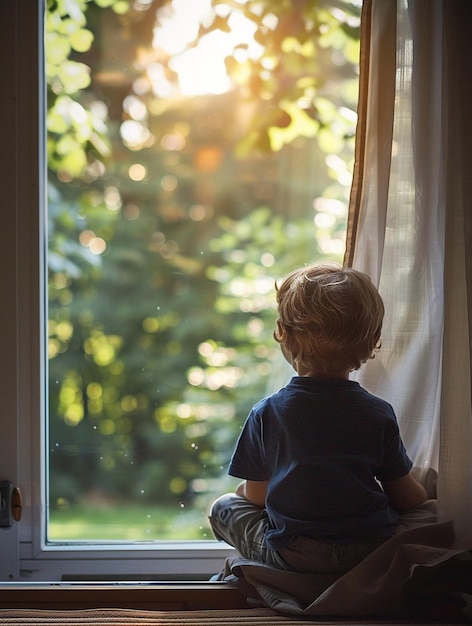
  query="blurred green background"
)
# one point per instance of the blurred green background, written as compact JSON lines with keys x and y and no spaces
{"x":173,"y":206}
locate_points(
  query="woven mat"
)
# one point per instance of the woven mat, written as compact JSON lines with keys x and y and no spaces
{"x":132,"y":617}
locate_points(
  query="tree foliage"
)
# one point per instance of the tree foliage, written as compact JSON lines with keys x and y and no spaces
{"x":168,"y":224}
{"x":300,"y":40}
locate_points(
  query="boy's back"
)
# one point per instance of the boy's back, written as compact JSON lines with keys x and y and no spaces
{"x":321,"y":444}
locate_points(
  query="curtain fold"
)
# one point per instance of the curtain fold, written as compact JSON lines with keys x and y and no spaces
{"x":410,"y":229}
{"x":374,"y":133}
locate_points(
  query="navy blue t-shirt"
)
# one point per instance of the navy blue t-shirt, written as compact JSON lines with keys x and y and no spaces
{"x":323,"y":445}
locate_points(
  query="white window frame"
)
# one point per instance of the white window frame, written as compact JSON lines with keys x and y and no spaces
{"x":25,"y":554}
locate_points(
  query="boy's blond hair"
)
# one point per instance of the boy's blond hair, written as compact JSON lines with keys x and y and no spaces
{"x":330,"y":318}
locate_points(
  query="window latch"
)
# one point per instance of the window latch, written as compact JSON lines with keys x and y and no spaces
{"x":10,"y":504}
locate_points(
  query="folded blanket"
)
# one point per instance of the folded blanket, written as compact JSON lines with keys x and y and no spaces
{"x":417,"y":573}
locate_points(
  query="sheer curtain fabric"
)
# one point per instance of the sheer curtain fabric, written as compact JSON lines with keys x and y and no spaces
{"x":410,"y":229}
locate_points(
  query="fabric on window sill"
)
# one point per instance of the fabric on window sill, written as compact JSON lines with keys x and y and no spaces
{"x":416,"y":574}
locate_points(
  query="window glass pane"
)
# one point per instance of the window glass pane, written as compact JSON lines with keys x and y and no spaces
{"x":196,"y":154}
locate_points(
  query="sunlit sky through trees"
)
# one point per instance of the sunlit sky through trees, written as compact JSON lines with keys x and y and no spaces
{"x":201,"y":70}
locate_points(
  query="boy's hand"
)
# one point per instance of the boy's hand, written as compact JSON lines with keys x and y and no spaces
{"x":253,"y":490}
{"x":405,"y":493}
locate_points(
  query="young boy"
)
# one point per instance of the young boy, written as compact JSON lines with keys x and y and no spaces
{"x":324,"y":467}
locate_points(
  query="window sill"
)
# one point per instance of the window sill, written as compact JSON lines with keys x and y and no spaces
{"x":163,"y":596}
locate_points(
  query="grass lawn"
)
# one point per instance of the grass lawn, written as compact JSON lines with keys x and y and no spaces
{"x":130,"y":523}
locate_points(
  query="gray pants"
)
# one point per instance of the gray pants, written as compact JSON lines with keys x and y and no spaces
{"x":242,"y":524}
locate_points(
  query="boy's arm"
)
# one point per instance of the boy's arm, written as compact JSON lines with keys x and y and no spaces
{"x":405,"y":493}
{"x":253,"y":490}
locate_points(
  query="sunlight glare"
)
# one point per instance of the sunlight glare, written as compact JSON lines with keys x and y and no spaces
{"x":184,"y":18}
{"x":201,"y":70}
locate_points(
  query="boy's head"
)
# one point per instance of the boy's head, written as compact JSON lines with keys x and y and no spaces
{"x":330,"y":318}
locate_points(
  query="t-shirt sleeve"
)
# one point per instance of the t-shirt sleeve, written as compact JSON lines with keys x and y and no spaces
{"x":248,"y":460}
{"x":396,"y":462}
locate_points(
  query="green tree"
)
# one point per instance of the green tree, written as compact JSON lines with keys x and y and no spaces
{"x":164,"y":248}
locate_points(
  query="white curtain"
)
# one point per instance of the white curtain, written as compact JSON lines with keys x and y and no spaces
{"x":410,"y":229}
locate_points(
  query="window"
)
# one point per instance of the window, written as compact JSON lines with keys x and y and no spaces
{"x":166,"y":231}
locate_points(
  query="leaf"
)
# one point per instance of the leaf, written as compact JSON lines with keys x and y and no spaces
{"x":74,"y":8}
{"x":104,"y":3}
{"x":74,"y":162}
{"x":57,"y":50}
{"x":81,"y":40}
{"x":74,"y":76}
{"x":56,"y":123}
{"x":121,"y":7}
